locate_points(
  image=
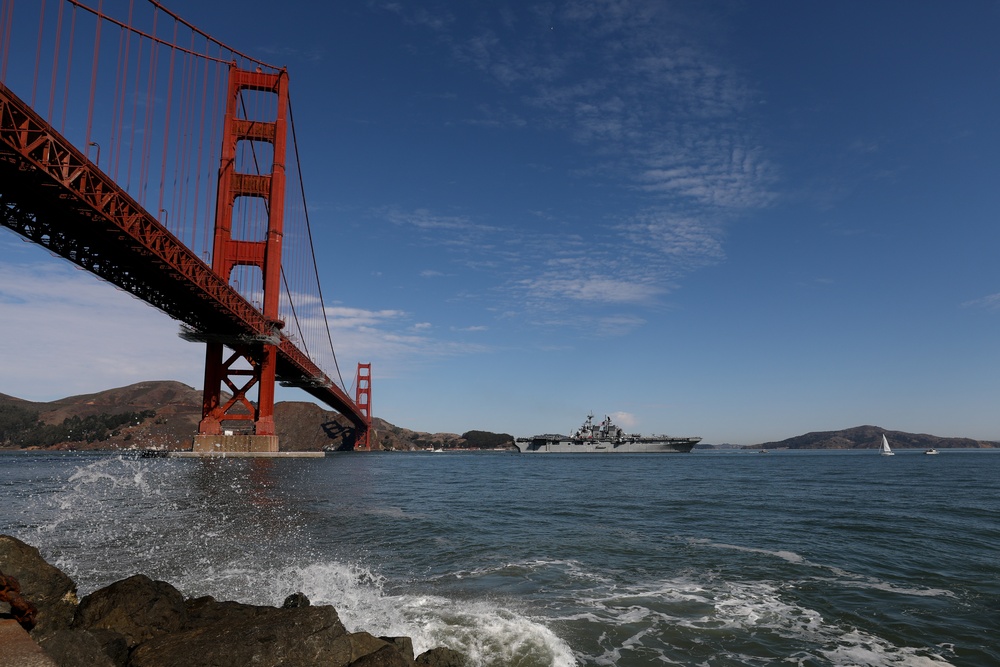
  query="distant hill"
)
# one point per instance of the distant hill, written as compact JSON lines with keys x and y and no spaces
{"x":869,"y":437}
{"x":176,"y":410}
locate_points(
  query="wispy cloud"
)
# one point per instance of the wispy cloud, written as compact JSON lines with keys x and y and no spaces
{"x":353,"y":318}
{"x":391,"y":339}
{"x":78,"y":335}
{"x":600,"y":289}
{"x":666,"y":123}
{"x":634,"y":82}
{"x":675,"y":242}
{"x":990,"y":302}
{"x":424,"y":219}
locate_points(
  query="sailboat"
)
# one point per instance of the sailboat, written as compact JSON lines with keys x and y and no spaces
{"x":884,"y":450}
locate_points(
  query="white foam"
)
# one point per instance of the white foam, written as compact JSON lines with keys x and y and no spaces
{"x":693,"y":609}
{"x":568,"y":569}
{"x":861,"y":649}
{"x":485,"y":631}
{"x":789,"y":556}
{"x":847,"y":578}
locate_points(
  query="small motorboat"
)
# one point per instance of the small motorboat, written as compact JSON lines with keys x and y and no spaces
{"x":931,"y":451}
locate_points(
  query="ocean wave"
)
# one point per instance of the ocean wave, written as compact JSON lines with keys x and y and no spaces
{"x":706,"y":619}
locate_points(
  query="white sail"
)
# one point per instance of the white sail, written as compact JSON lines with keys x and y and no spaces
{"x":885,"y":450}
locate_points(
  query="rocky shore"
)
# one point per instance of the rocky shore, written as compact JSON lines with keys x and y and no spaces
{"x":138,"y":622}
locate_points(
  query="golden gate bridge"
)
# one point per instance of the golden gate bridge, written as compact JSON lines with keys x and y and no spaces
{"x":165,"y":162}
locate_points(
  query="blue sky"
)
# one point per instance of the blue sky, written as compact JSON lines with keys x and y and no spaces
{"x":738,"y":220}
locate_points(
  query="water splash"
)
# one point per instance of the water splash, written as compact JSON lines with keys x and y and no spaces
{"x":212,"y":528}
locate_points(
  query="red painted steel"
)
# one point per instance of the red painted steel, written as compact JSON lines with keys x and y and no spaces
{"x":51,"y":194}
{"x":266,"y":255}
{"x":362,"y":399}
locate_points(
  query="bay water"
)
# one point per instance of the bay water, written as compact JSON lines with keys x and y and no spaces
{"x":711,"y":558}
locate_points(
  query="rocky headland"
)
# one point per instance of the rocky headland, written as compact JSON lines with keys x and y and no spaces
{"x":138,"y":622}
{"x":869,"y":437}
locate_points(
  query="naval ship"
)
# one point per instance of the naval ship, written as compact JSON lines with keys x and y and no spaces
{"x":605,"y":438}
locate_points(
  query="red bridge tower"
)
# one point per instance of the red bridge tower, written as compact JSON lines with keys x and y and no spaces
{"x":363,"y":398}
{"x":252,"y":364}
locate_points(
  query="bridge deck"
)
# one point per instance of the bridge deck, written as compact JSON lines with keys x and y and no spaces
{"x":53,"y":195}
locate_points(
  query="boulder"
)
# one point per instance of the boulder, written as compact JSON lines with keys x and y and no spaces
{"x":403,"y":644}
{"x":386,"y":656}
{"x":441,"y":657}
{"x":238,"y":635}
{"x":136,"y":608}
{"x":51,"y":592}
{"x":352,"y":649}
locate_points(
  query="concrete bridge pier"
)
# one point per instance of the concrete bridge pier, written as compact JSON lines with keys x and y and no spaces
{"x":224,"y":444}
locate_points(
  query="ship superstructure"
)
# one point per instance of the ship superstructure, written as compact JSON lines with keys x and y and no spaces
{"x":605,"y":437}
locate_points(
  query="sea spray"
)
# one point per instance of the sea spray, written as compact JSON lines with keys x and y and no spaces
{"x":211,"y":528}
{"x":485,"y":631}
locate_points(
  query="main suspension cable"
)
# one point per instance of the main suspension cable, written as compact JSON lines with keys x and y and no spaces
{"x":312,"y":247}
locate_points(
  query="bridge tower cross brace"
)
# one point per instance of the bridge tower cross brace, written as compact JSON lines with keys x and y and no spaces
{"x":261,"y":354}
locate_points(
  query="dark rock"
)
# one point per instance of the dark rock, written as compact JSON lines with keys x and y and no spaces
{"x":240,"y":635}
{"x":353,"y":647}
{"x":137,"y":608}
{"x":441,"y":657}
{"x":114,"y":644}
{"x":205,"y":611}
{"x":403,"y":644}
{"x":138,"y":622}
{"x":51,"y":592}
{"x":387,"y":656}
{"x":295,"y":600}
{"x":75,"y":648}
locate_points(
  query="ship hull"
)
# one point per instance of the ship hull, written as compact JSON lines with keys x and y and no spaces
{"x":630,"y":446}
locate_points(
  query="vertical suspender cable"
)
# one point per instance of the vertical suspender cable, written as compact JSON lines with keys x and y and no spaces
{"x":6,"y":21}
{"x":55,"y":62}
{"x":147,"y":125}
{"x":117,"y":101}
{"x":93,"y":74}
{"x":175,"y":199}
{"x":38,"y":52}
{"x":213,"y":141}
{"x":189,"y":73}
{"x":135,"y":113}
{"x":118,"y":114}
{"x":166,"y":120}
{"x":201,"y":138}
{"x":69,"y":61}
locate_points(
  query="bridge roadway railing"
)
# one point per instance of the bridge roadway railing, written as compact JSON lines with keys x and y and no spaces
{"x":51,"y":194}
